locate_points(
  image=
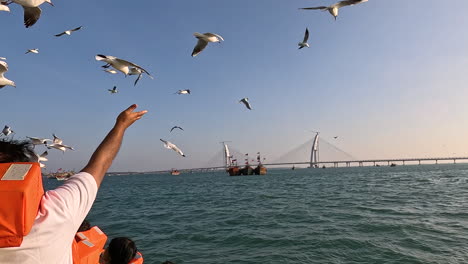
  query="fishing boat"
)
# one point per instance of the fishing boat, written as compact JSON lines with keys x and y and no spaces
{"x":61,"y":175}
{"x":260,"y":169}
{"x":175,"y":172}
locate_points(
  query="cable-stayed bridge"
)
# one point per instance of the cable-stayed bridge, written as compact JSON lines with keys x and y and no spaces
{"x":314,"y":153}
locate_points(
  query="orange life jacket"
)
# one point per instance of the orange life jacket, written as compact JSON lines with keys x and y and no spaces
{"x":138,"y":259}
{"x":21,"y":192}
{"x":88,"y":246}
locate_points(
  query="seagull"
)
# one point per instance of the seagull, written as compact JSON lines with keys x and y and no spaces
{"x":4,"y":7}
{"x":2,"y":58}
{"x":7,"y":131}
{"x":333,"y":9}
{"x":32,"y":12}
{"x":113,"y":90}
{"x":177,"y":127}
{"x":139,"y":72}
{"x":110,"y":71}
{"x":304,"y":42}
{"x":42,"y":157}
{"x":39,"y":141}
{"x":68,"y":32}
{"x":119,"y":64}
{"x":203,"y":40}
{"x":245,"y":101}
{"x":187,"y":91}
{"x":169,"y":145}
{"x":335,"y":137}
{"x":59,"y":146}
{"x":32,"y":51}
{"x":4,"y":81}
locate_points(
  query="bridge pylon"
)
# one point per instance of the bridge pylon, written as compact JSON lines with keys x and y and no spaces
{"x":314,"y":154}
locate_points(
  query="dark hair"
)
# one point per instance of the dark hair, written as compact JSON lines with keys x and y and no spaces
{"x":85,"y":226}
{"x":121,"y":250}
{"x":16,"y":151}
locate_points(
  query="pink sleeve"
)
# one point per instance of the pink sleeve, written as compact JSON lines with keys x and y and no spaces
{"x":74,"y":198}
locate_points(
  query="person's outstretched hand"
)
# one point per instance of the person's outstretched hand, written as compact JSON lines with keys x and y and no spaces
{"x":128,"y":117}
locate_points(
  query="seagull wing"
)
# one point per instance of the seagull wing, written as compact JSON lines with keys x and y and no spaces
{"x":31,"y":15}
{"x":348,"y":3}
{"x":246,"y":103}
{"x":213,"y":35}
{"x":315,"y":8}
{"x":76,"y":29}
{"x":176,"y":149}
{"x":61,"y":34}
{"x":180,"y":128}
{"x":127,"y":63}
{"x":201,"y":45}
{"x":57,"y":140}
{"x":173,"y":128}
{"x":3,"y":67}
{"x":306,"y":35}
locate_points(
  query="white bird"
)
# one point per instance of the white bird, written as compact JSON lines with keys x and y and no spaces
{"x":32,"y":51}
{"x":32,"y":12}
{"x":7,"y":131}
{"x":304,"y":42}
{"x":4,"y":81}
{"x":59,"y":146}
{"x":113,"y":90}
{"x":333,"y":9}
{"x":39,"y":141}
{"x":42,"y":157}
{"x":68,"y":32}
{"x":203,"y":40}
{"x":187,"y":91}
{"x":119,"y":64}
{"x":139,"y":72}
{"x":245,"y":101}
{"x":169,"y":145}
{"x":4,"y":7}
{"x":2,"y":58}
{"x":110,"y":71}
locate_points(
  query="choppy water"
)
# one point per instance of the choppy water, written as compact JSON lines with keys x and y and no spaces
{"x":410,"y":214}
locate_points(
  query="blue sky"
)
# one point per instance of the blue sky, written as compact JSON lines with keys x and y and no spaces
{"x":388,"y":77}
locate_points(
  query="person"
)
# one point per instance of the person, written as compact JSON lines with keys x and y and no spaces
{"x":62,"y":210}
{"x":121,"y":250}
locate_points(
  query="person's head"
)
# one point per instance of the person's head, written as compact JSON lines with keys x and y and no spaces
{"x":121,"y":250}
{"x":16,"y":151}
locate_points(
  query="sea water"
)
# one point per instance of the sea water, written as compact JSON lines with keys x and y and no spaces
{"x":403,"y":214}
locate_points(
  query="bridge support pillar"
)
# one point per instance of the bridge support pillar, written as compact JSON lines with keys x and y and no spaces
{"x":403,"y":162}
{"x":360,"y":164}
{"x":374,"y":163}
{"x":388,"y":162}
{"x":437,"y":162}
{"x":348,"y":164}
{"x":419,"y":162}
{"x":335,"y":164}
{"x":454,"y":161}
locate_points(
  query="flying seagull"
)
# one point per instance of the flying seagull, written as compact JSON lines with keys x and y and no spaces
{"x":304,"y":42}
{"x":139,"y":72}
{"x":32,"y":11}
{"x":110,"y":71}
{"x":7,"y":131}
{"x":4,"y":7}
{"x":4,"y":81}
{"x":119,"y":64}
{"x":113,"y":90}
{"x":42,"y":157}
{"x":203,"y":40}
{"x":39,"y":141}
{"x":59,"y":146}
{"x":335,"y":137}
{"x":68,"y":32}
{"x":169,"y":145}
{"x":245,"y":101}
{"x":187,"y":91}
{"x":32,"y":51}
{"x":2,"y":58}
{"x":57,"y":140}
{"x":333,"y":9}
{"x":177,"y":127}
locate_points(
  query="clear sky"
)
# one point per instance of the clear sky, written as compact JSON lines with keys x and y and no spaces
{"x":388,"y":77}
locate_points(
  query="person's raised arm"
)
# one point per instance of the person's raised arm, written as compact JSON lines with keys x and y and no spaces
{"x":102,"y":158}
